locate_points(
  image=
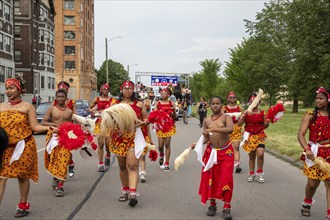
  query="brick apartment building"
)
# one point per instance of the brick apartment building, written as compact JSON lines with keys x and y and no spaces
{"x":74,"y":51}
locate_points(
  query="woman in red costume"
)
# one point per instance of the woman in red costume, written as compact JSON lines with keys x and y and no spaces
{"x":236,"y":136}
{"x":123,"y":147}
{"x":255,"y":124}
{"x":71,"y":104}
{"x":103,"y":101}
{"x":18,"y":119}
{"x":318,"y":124}
{"x":164,"y":138}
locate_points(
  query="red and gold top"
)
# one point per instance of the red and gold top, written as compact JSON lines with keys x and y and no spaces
{"x":319,"y":130}
{"x":232,"y":110}
{"x":138,"y":112}
{"x":166,"y":107}
{"x":254,"y":123}
{"x":103,"y":104}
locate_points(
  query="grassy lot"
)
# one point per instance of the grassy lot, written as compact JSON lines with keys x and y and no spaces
{"x":282,"y":135}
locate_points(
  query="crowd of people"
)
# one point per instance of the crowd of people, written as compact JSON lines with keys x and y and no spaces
{"x":123,"y":129}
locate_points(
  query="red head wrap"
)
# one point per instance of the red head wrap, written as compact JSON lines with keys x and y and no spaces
{"x":15,"y":82}
{"x":323,"y":90}
{"x":231,"y":94}
{"x":252,"y":98}
{"x":166,"y":90}
{"x":63,"y":86}
{"x":127,"y":84}
{"x":105,"y":86}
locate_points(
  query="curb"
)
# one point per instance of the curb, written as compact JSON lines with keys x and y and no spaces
{"x":286,"y":158}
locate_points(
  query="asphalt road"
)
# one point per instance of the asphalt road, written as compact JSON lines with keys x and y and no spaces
{"x":165,"y":195}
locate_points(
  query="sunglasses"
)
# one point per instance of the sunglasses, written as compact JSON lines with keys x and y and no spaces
{"x":232,"y":97}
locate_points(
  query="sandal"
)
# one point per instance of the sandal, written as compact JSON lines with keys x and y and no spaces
{"x":21,"y":213}
{"x":306,"y":210}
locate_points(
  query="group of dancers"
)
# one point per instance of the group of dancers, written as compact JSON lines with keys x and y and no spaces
{"x":125,"y":133}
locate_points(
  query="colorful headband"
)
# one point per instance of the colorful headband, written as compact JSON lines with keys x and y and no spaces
{"x":166,"y":90}
{"x":63,"y":86}
{"x":323,"y":90}
{"x":127,"y":84}
{"x":15,"y":82}
{"x":231,"y":94}
{"x":105,"y":86}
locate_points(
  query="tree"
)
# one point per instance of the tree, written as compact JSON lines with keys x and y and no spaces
{"x":117,"y":74}
{"x":209,"y":76}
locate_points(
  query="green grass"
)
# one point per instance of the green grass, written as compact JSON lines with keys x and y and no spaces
{"x":282,"y":135}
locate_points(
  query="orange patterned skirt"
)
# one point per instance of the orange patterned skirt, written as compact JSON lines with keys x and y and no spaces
{"x":170,"y":133}
{"x":236,"y":135}
{"x":254,"y":140}
{"x":26,"y":167}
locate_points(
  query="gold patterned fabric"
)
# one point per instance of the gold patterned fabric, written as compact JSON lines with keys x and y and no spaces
{"x":57,"y":162}
{"x":236,"y":135}
{"x":254,"y":140}
{"x":170,"y":133}
{"x":120,"y":145}
{"x":315,"y":173}
{"x":17,"y":127}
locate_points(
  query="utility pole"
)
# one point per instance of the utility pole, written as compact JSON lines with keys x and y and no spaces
{"x":106,"y":60}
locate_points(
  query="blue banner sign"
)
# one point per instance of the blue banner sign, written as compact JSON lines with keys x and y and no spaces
{"x":164,"y":80}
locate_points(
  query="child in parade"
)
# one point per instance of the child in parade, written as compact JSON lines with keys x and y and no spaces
{"x":57,"y":159}
{"x":164,"y":138}
{"x":19,"y":160}
{"x":236,"y":136}
{"x":124,"y":147}
{"x":255,"y":124}
{"x":318,"y":124}
{"x":102,"y":102}
{"x":217,"y":174}
{"x":202,"y":110}
{"x":71,"y":104}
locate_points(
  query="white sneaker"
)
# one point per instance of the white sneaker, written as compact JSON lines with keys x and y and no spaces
{"x":250,"y":179}
{"x":100,"y":168}
{"x":143,"y":176}
{"x":261,"y":178}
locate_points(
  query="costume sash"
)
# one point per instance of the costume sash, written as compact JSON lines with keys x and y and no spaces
{"x":314,"y":149}
{"x":246,"y":136}
{"x":213,"y":159}
{"x":18,"y":151}
{"x":52,"y":143}
{"x":199,"y":149}
{"x":139,"y":143}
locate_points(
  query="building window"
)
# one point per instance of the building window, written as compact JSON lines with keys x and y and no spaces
{"x":42,"y":82}
{"x":9,"y":72}
{"x":69,"y":35}
{"x":17,"y":6}
{"x":70,"y":50}
{"x":53,"y":83}
{"x":1,"y":9}
{"x":69,"y":4}
{"x":1,"y":41}
{"x":7,"y":12}
{"x":69,"y":20}
{"x":2,"y":74}
{"x":7,"y":44}
{"x":42,"y":35}
{"x":51,"y":39}
{"x":42,"y":59}
{"x":18,"y":56}
{"x":49,"y":81}
{"x":69,"y":65}
{"x":17,"y":31}
{"x":52,"y":61}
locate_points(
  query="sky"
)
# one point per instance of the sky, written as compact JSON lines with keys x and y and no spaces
{"x":169,"y":36}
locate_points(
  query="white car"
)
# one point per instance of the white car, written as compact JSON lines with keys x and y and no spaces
{"x":172,"y":98}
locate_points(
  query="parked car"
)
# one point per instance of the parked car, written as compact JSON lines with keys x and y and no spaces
{"x":173,"y":99}
{"x":82,"y":108}
{"x":42,"y":109}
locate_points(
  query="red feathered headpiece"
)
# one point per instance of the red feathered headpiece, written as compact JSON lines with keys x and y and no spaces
{"x":162,"y":121}
{"x":275,"y":112}
{"x":71,"y":136}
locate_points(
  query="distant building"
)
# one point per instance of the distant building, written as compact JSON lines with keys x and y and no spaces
{"x":74,"y":37}
{"x":34,"y":52}
{"x":7,"y":63}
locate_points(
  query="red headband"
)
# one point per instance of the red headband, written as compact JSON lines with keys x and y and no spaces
{"x":166,"y":90}
{"x":252,"y":98}
{"x":105,"y":86}
{"x":231,"y":94}
{"x":127,"y":84}
{"x":323,"y":90}
{"x":15,"y":82}
{"x":63,"y":86}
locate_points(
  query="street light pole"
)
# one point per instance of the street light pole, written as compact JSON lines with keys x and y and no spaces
{"x":128,"y":70}
{"x":106,"y":56}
